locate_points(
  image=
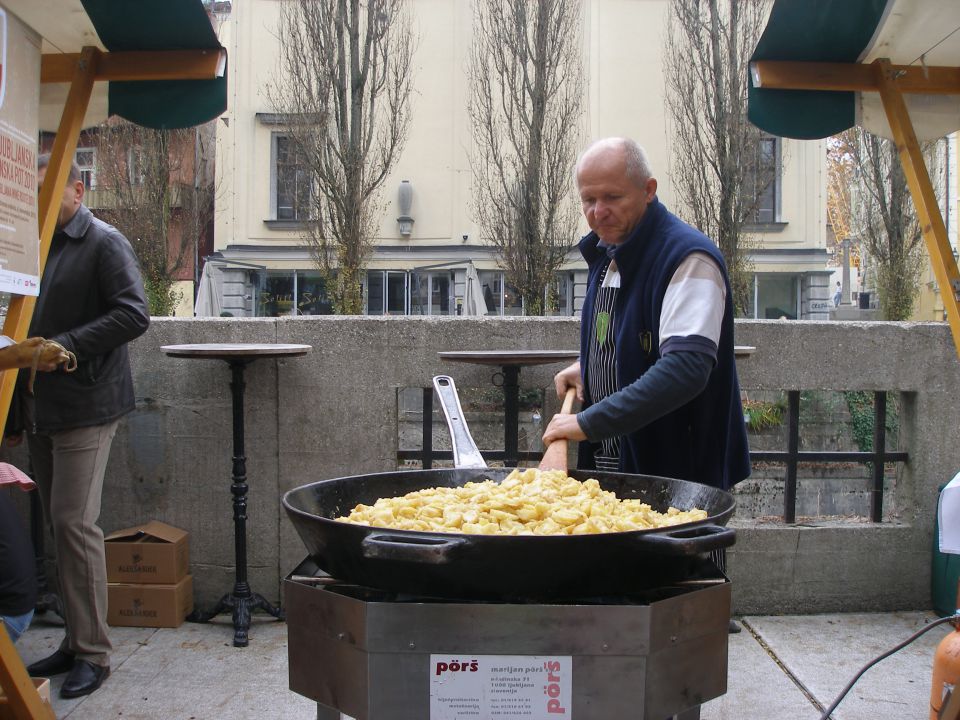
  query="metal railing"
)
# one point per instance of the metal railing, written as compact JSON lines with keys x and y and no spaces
{"x":791,"y":458}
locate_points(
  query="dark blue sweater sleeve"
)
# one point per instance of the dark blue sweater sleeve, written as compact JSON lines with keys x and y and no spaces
{"x":673,"y":381}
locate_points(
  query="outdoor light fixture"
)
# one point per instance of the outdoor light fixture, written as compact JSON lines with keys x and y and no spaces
{"x":405,"y":201}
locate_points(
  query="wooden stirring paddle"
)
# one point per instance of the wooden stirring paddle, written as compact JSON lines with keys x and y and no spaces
{"x":555,"y":456}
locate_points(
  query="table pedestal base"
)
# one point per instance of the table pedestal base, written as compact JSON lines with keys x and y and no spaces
{"x":242,"y":601}
{"x":240,"y":607}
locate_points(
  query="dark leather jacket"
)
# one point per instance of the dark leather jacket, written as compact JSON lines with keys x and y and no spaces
{"x":92,"y":302}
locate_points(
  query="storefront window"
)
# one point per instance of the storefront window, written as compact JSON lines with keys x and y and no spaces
{"x":563,"y":296}
{"x":777,"y":296}
{"x":430,"y":293}
{"x":386,"y":292}
{"x":312,"y":296}
{"x":501,"y":298}
{"x":276,"y":290}
{"x":275,"y":294}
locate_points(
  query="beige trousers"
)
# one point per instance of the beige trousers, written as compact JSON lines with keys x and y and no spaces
{"x":68,"y":467}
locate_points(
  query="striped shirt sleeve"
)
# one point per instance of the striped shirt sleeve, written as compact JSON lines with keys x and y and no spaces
{"x":692,"y":310}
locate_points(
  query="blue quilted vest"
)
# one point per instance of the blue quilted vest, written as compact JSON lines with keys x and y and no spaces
{"x":704,"y":441}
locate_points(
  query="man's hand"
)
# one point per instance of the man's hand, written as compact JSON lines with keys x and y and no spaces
{"x":567,"y":378}
{"x":52,"y":355}
{"x":563,"y":427}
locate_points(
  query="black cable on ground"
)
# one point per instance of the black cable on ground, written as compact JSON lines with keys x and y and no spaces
{"x":833,"y":706}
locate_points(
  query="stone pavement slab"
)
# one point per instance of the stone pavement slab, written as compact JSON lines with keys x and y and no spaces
{"x":754,"y":680}
{"x":780,"y":668}
{"x":824,"y":652}
{"x":189,"y":673}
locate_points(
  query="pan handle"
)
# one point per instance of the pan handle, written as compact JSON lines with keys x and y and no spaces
{"x":466,"y":454}
{"x":410,"y":548}
{"x":688,"y":541}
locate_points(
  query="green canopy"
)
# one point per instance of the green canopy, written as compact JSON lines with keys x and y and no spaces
{"x":919,"y":33}
{"x":823,"y":31}
{"x":159,"y":25}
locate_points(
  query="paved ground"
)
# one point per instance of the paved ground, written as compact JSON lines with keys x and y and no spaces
{"x":781,"y":668}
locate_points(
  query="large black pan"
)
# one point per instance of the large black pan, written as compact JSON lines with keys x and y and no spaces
{"x":490,"y":566}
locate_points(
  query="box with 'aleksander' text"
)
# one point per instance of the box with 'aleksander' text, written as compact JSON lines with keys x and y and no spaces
{"x":136,"y":605}
{"x":152,"y":553}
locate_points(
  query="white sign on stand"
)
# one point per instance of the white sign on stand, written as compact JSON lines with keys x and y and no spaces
{"x":508,"y":687}
{"x":948,"y":511}
{"x":19,"y":118}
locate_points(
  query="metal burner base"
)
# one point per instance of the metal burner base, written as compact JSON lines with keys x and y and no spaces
{"x":368,"y":654}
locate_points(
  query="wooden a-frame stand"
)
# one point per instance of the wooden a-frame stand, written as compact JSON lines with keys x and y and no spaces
{"x":892,"y":81}
{"x":81,"y":70}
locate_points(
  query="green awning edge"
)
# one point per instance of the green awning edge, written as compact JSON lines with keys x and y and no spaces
{"x":160,"y":25}
{"x":816,"y":31}
{"x":169,"y":104}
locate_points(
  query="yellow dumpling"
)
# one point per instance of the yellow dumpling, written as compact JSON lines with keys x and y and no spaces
{"x":526,"y":502}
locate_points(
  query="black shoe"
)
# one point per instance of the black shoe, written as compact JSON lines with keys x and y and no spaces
{"x":84,"y":678}
{"x":60,"y":662}
{"x":734,"y":628}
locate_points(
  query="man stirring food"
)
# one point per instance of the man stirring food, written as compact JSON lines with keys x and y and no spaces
{"x":656,"y":374}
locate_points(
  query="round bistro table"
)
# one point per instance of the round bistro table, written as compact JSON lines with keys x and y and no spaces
{"x":241,"y":601}
{"x":510,"y":362}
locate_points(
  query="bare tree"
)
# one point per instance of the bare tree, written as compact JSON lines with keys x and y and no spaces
{"x":885,"y":219}
{"x":157,"y":188}
{"x":343,"y":87}
{"x":721,"y":164}
{"x":526,"y":93}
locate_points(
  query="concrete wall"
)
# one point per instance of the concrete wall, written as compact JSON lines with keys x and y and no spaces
{"x":334,"y":413}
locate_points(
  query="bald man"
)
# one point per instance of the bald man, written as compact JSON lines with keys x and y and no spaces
{"x":656,"y":374}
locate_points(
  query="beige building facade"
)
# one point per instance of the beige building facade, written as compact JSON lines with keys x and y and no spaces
{"x":261,"y":266}
{"x":929,"y":304}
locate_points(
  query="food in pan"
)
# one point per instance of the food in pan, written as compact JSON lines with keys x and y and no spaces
{"x":526,"y":502}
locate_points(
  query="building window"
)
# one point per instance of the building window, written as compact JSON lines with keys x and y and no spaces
{"x":761,"y":183}
{"x":563,"y":289}
{"x":136,"y":166}
{"x":86,"y":159}
{"x":430,"y":293}
{"x":386,"y":292}
{"x":288,"y":292}
{"x":776,"y":296}
{"x":290,"y":181}
{"x":312,"y":298}
{"x":501,"y":297}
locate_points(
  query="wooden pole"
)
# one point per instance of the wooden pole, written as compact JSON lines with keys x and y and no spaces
{"x":22,"y":696}
{"x":924,"y":198}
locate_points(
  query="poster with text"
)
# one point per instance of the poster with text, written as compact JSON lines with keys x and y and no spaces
{"x":500,"y":687}
{"x":19,"y":107}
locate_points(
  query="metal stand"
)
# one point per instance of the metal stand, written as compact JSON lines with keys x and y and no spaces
{"x":241,"y":601}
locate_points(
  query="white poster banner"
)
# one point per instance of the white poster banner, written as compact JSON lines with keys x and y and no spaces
{"x":504,"y":687}
{"x":19,"y":110}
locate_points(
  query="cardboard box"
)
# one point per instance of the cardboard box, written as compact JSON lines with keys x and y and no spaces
{"x":43,"y":687}
{"x":134,"y":605}
{"x":154,"y":553}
